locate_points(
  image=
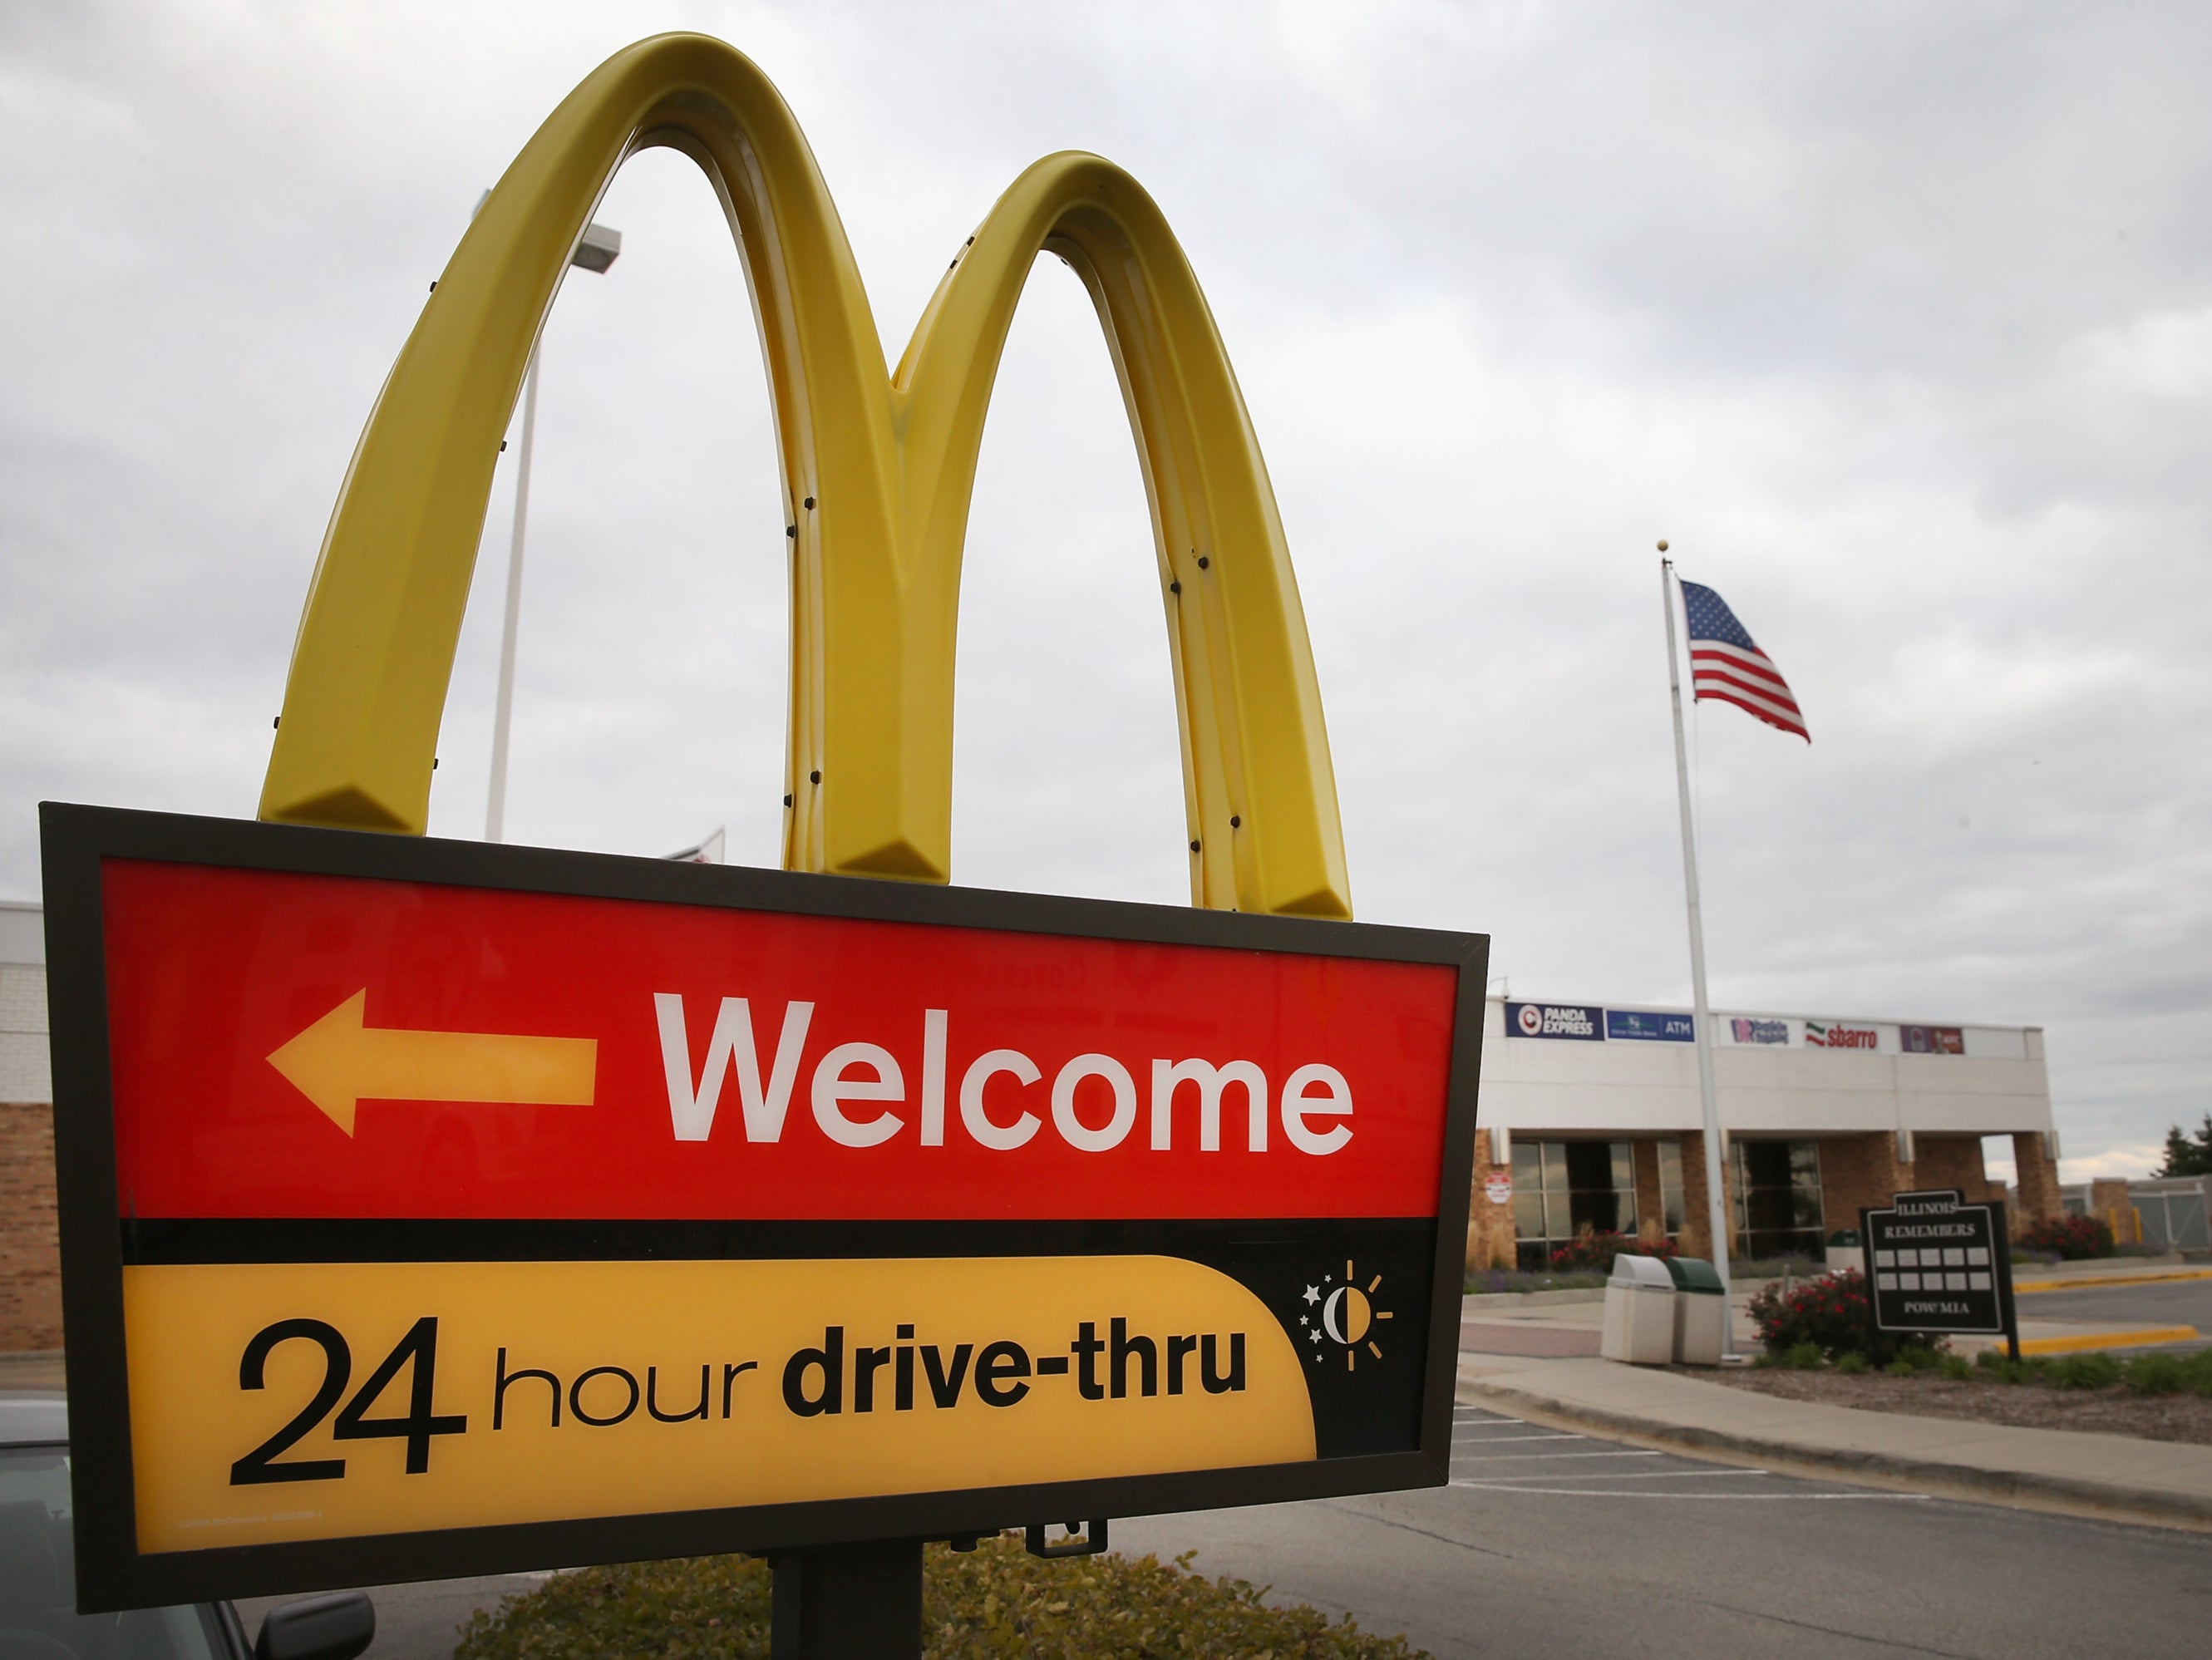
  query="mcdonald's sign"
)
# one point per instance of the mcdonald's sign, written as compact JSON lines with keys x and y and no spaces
{"x":432,"y":1208}
{"x":878,"y":471}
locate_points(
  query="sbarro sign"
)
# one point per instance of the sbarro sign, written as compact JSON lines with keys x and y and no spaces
{"x":427,"y":1205}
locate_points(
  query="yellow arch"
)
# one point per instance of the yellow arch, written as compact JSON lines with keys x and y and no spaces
{"x":886,"y":461}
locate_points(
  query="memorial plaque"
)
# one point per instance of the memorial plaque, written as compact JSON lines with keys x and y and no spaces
{"x":1936,"y":1265}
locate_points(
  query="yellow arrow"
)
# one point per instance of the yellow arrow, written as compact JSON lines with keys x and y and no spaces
{"x":338,"y":1062}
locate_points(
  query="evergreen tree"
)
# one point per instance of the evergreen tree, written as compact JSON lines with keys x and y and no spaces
{"x":2189,"y":1155}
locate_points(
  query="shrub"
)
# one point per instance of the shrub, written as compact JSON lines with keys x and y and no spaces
{"x":1773,"y":1268}
{"x":1523,"y":1279}
{"x":2090,"y":1370}
{"x":2170,"y":1374}
{"x":1802,"y":1357}
{"x":1917,"y":1357}
{"x":2073,"y":1238}
{"x":1590,"y":1251}
{"x":1956,"y":1368}
{"x":1829,"y":1313}
{"x":996,"y":1601}
{"x":1852,"y":1365}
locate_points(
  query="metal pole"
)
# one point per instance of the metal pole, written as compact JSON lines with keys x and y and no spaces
{"x":503,"y":715}
{"x":1716,"y":1200}
{"x":848,"y":1602}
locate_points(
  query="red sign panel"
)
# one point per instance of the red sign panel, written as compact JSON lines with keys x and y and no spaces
{"x":290,"y":1045}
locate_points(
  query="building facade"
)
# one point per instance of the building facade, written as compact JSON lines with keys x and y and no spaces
{"x":1592,"y":1119}
{"x":30,"y":1240}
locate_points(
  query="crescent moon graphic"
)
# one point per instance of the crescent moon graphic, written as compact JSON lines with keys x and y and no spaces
{"x":1346,"y":1315}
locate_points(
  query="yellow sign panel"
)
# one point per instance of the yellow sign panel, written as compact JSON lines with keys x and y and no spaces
{"x":281,"y":1402}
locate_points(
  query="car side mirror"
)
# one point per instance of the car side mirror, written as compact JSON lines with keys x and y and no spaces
{"x":334,"y":1627}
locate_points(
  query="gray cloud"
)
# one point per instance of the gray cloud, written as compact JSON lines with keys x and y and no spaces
{"x":1898,"y":323}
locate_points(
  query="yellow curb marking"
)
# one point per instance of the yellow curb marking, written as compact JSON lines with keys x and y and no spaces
{"x":2089,"y":1282}
{"x":2108,"y":1340}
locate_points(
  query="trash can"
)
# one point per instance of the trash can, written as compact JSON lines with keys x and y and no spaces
{"x":1700,"y":1311}
{"x":1639,"y":1312}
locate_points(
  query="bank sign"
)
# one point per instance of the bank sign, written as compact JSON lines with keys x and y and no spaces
{"x":435,"y":1207}
{"x":1649,"y":1026}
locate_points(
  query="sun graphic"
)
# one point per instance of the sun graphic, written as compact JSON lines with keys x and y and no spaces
{"x":1345,"y":1314}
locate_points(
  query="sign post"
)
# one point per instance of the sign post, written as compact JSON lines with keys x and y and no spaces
{"x":1938,"y":1266}
{"x":437,"y":1208}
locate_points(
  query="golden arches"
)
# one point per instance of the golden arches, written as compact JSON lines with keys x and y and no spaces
{"x":877,"y":472}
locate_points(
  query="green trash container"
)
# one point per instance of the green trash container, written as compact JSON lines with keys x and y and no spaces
{"x":1700,"y":1311}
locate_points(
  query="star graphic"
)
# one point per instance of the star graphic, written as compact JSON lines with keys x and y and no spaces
{"x":1313,"y":1294}
{"x":1303,"y":1321}
{"x":1315,"y":1335}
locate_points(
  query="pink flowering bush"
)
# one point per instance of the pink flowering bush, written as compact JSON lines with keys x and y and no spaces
{"x":2072,"y":1237}
{"x":1830,"y":1313}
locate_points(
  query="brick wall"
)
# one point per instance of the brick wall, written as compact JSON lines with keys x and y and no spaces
{"x":1651,"y":1202}
{"x":1695,"y":1240}
{"x":2035,"y":1176}
{"x":1859,"y":1172}
{"x":1489,"y":1227}
{"x":1950,"y":1161}
{"x":30,"y":1243}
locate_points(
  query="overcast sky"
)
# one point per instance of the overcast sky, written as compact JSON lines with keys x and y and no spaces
{"x":1897,"y":321}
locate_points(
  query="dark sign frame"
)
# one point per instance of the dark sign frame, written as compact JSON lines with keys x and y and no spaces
{"x":2007,"y":1326}
{"x":113,"y":1574}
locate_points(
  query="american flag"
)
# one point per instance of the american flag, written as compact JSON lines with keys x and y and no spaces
{"x":1725,"y":664}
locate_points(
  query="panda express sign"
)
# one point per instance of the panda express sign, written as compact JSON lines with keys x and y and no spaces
{"x":434,"y":1208}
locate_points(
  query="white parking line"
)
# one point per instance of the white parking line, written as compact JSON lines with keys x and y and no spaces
{"x":1678,"y":1497}
{"x":1493,"y":1440}
{"x":1540,"y":1458}
{"x":1624,"y":1475}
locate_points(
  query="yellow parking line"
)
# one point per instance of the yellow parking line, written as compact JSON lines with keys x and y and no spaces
{"x":2091,"y":1282}
{"x":2142,"y":1338}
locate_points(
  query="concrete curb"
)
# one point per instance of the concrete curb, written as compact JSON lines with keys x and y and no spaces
{"x":2109,"y":1501}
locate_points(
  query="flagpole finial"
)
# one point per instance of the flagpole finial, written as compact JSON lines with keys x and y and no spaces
{"x":1662,"y":545}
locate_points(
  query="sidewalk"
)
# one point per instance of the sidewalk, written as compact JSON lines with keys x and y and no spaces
{"x":2114,"y":1477}
{"x":1508,"y":1322}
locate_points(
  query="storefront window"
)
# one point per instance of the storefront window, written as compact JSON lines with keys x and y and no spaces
{"x":1560,"y":1188}
{"x":1778,"y":1198}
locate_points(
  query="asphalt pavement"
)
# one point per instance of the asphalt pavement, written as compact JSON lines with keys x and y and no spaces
{"x":1567,"y":1545}
{"x":2171,"y":1303}
{"x":1549,"y":1542}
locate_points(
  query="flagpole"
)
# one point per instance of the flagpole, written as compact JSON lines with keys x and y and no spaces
{"x":1716,"y":1200}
